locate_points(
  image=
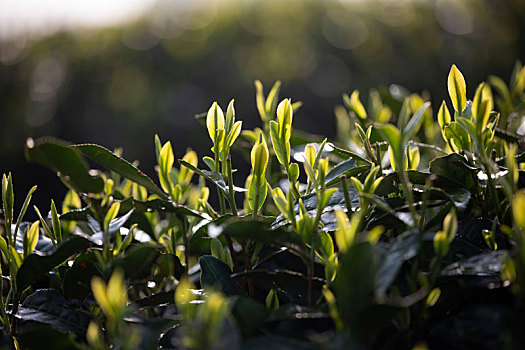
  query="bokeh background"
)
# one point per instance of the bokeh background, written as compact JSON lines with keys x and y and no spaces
{"x":116,"y":72}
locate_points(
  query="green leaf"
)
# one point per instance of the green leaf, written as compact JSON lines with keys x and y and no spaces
{"x":326,"y":244}
{"x":112,"y":162}
{"x":272,"y":98}
{"x":443,"y":116}
{"x":8,"y":199}
{"x":357,"y":268}
{"x":259,"y":158}
{"x":49,"y":306}
{"x":216,"y":275}
{"x":346,"y":154}
{"x":35,"y":266}
{"x":31,"y":238}
{"x":66,"y":161}
{"x":258,"y":186}
{"x":277,"y":342}
{"x":457,"y":89}
{"x":235,"y":132}
{"x":55,"y":222}
{"x":249,"y":314}
{"x":23,"y":211}
{"x":285,"y":116}
{"x":110,"y":215}
{"x":138,"y":261}
{"x":457,"y":132}
{"x":230,"y":117}
{"x":213,"y":177}
{"x":276,"y":143}
{"x":482,"y":106}
{"x":259,"y":98}
{"x":214,"y":120}
{"x":404,"y":248}
{"x":454,"y":167}
{"x":260,"y":232}
{"x":354,"y":104}
{"x":413,"y":125}
{"x":210,"y":162}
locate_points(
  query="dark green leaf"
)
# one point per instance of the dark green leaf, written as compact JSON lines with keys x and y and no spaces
{"x":66,"y":161}
{"x":212,"y":176}
{"x":455,"y":168}
{"x":49,"y":306}
{"x":277,"y":343}
{"x":77,"y":279}
{"x":34,"y":266}
{"x":249,"y":314}
{"x":138,"y":260}
{"x":217,"y":275}
{"x":404,"y":248}
{"x":346,"y":154}
{"x":111,"y":161}
{"x":259,"y":232}
{"x":347,"y":168}
{"x":482,"y":270}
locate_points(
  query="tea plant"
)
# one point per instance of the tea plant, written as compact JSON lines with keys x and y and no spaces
{"x":406,"y":233}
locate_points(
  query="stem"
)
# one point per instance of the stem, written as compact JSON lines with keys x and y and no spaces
{"x":232,"y":252}
{"x":295,"y":192}
{"x":348,"y":202}
{"x":310,"y":273}
{"x":407,"y":188}
{"x":248,"y":267}
{"x":424,"y":198}
{"x":222,"y":203}
{"x":233,"y":206}
{"x":186,"y":243}
{"x":257,"y":197}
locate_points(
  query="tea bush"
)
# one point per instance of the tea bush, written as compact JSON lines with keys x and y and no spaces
{"x":404,"y":233}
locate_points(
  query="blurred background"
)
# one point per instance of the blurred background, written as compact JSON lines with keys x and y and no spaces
{"x":115,"y":72}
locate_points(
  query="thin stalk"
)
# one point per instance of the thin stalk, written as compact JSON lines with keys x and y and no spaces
{"x":348,"y":201}
{"x":222,"y":202}
{"x":248,"y":267}
{"x":310,"y":274}
{"x":257,"y":198}
{"x":186,"y":243}
{"x":424,"y":198}
{"x":407,"y":188}
{"x":233,"y":206}
{"x":378,"y":157}
{"x":295,"y":192}
{"x":232,"y":252}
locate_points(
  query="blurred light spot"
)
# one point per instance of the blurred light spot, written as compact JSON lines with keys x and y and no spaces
{"x":192,"y":15}
{"x":344,"y":30}
{"x":12,"y":52}
{"x":38,"y":113}
{"x":48,"y":75}
{"x":331,"y":77}
{"x":394,"y":13}
{"x":283,"y":59}
{"x":128,"y":89}
{"x":454,"y":17}
{"x":273,"y":17}
{"x":139,"y":38}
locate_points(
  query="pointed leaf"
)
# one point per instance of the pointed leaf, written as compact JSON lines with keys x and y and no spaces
{"x":64,"y":160}
{"x":112,"y":162}
{"x":457,"y":89}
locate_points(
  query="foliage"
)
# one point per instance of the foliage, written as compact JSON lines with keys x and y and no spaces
{"x":423,"y":247}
